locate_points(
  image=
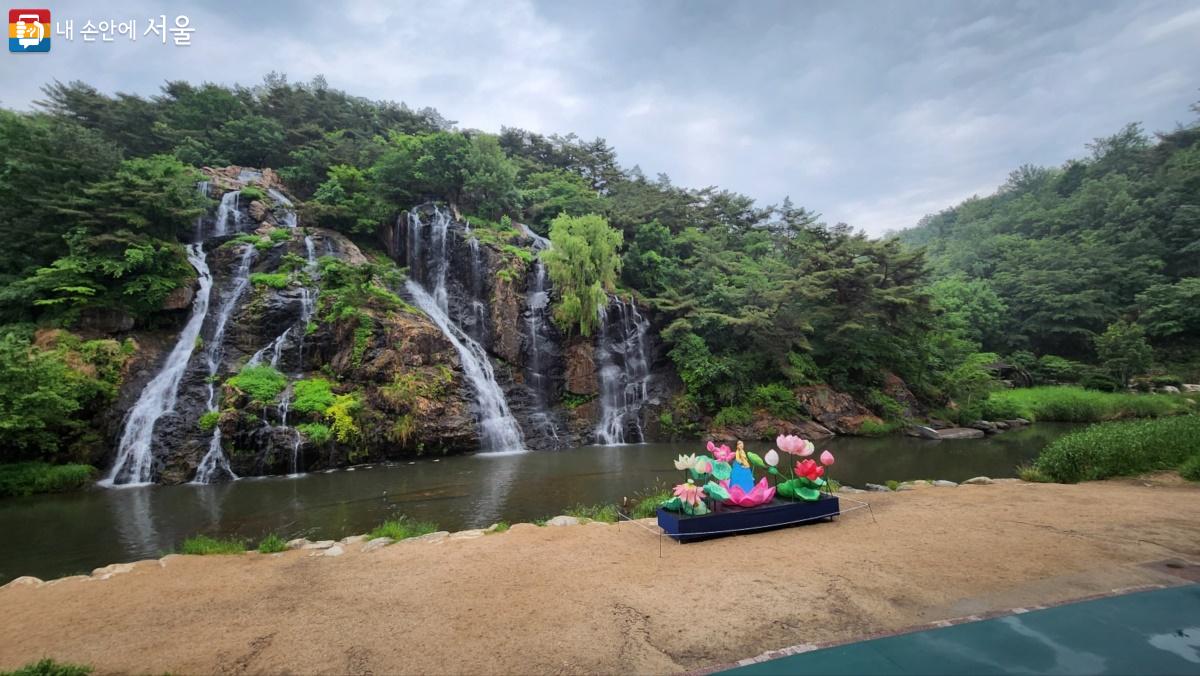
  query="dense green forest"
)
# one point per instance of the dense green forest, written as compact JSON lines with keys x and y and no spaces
{"x":1085,"y":273}
{"x":1095,"y":263}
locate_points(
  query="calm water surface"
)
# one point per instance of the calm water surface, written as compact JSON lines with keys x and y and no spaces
{"x":53,"y":535}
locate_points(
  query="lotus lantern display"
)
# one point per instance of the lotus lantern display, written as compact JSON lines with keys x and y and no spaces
{"x":722,"y":495}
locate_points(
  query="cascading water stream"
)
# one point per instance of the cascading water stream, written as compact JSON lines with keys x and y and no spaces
{"x":227,"y":210}
{"x":624,"y":373}
{"x":498,"y":429}
{"x":276,"y":347}
{"x":135,"y":458}
{"x":214,"y":465}
{"x":537,"y":300}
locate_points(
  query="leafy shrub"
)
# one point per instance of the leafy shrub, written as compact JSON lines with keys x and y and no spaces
{"x":1095,"y":379}
{"x":733,"y":415}
{"x":275,"y":280}
{"x":272,"y":544}
{"x":208,"y":420}
{"x":605,"y":513}
{"x":892,"y":484}
{"x":202,"y":545}
{"x":1190,"y":469}
{"x":28,"y":478}
{"x":1054,"y":369}
{"x":1166,"y":380}
{"x":340,"y":415}
{"x":49,"y":667}
{"x":1121,"y":448}
{"x":318,"y":433}
{"x":314,"y":395}
{"x":401,"y":529}
{"x":887,"y":407}
{"x":52,"y":390}
{"x":262,"y":383}
{"x":777,"y":398}
{"x":280,"y":235}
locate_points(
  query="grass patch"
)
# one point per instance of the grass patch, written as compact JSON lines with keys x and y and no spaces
{"x":318,"y":433}
{"x":605,"y":513}
{"x":314,"y":395}
{"x":1029,"y":472}
{"x":275,"y":280}
{"x":1075,"y":404}
{"x":272,"y":544}
{"x":262,"y":383}
{"x":49,"y":667}
{"x":645,"y":507}
{"x":1121,"y":448}
{"x":892,"y":484}
{"x":208,"y":420}
{"x":28,"y":478}
{"x":870,"y":428}
{"x":280,"y":235}
{"x":253,"y":192}
{"x":402,"y":529}
{"x":203,"y":545}
{"x":500,"y":528}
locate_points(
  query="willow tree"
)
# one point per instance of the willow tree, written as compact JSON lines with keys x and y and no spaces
{"x":584,"y":265}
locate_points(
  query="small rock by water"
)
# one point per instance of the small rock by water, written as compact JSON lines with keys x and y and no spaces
{"x":960,"y":433}
{"x":563,"y":520}
{"x":430,"y":537}
{"x":877,"y":488}
{"x":978,"y":481}
{"x":942,"y":483}
{"x":377,"y":543}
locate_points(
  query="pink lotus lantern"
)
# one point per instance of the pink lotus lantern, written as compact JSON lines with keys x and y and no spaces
{"x":790,"y":443}
{"x":761,"y":494}
{"x":721,"y":453}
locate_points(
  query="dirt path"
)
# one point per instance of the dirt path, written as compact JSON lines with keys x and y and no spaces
{"x":598,"y":598}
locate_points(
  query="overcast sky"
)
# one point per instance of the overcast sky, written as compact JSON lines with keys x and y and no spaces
{"x":871,"y":113}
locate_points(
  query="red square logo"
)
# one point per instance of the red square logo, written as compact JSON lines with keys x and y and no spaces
{"x":40,"y":15}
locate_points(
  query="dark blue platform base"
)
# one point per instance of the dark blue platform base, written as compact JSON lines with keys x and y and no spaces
{"x":733,"y":520}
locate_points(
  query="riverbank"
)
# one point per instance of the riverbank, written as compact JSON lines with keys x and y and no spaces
{"x":603,"y":598}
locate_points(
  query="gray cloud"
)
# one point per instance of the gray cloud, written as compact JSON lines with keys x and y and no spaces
{"x":872,"y":113}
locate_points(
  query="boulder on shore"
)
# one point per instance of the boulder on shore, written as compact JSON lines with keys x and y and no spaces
{"x":959,"y":433}
{"x":922,"y":431}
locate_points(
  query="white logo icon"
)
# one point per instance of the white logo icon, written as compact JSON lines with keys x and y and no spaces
{"x":30,"y":36}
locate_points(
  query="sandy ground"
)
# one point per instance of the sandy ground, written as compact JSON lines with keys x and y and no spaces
{"x":601,"y":599}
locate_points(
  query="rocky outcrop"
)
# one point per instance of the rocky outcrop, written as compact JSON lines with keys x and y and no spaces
{"x":506,"y":311}
{"x":181,"y":298}
{"x":898,"y":390}
{"x":835,"y":410}
{"x":952,"y":433}
{"x":235,"y":178}
{"x":579,"y":359}
{"x":766,"y":427}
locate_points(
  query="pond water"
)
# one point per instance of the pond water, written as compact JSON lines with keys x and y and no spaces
{"x":53,"y":535}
